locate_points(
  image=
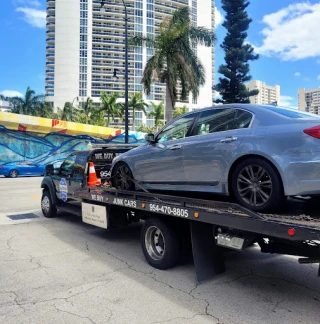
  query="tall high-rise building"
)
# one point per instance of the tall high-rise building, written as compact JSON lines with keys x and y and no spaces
{"x":309,"y":100}
{"x":84,"y":46}
{"x":267,"y":94}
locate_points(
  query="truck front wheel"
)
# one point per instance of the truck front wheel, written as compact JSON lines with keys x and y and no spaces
{"x":160,"y":244}
{"x":48,"y":209}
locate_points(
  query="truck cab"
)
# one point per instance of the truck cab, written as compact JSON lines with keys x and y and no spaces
{"x":59,"y":185}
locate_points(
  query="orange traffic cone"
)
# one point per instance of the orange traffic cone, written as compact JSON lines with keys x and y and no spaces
{"x":93,"y":180}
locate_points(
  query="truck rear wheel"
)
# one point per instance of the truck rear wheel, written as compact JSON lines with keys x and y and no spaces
{"x":160,"y":244}
{"x":48,"y":209}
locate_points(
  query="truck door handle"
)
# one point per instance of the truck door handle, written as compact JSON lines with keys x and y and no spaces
{"x":175,"y":147}
{"x":228,"y":139}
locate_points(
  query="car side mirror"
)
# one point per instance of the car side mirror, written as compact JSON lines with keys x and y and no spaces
{"x":150,"y":138}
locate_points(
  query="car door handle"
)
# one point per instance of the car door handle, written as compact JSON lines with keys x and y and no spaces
{"x":175,"y":147}
{"x":228,"y":139}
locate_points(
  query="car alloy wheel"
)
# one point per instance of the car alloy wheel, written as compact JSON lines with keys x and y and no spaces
{"x":254,"y":185}
{"x":13,"y":173}
{"x":122,"y":178}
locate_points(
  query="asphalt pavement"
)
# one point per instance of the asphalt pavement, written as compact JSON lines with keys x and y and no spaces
{"x":64,"y":271}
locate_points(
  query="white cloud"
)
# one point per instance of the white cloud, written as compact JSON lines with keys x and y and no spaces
{"x":27,"y":3}
{"x":291,"y":32}
{"x":318,"y":77}
{"x":11,"y":93}
{"x":218,"y":17}
{"x":297,"y":74}
{"x":287,"y":101}
{"x":34,"y":17}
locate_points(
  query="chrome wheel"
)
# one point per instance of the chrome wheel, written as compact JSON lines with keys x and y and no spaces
{"x":122,"y":178}
{"x":154,"y":242}
{"x":45,"y":204}
{"x":254,"y":185}
{"x":13,"y":174}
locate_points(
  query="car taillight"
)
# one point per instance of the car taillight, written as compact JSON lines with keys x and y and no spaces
{"x":313,"y":131}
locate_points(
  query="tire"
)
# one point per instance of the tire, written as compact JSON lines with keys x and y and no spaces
{"x":120,"y":175}
{"x":160,"y":244}
{"x":49,"y":210}
{"x":255,"y":177}
{"x":13,"y":174}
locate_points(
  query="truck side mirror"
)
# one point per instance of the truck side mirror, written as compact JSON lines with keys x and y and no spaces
{"x":150,"y":138}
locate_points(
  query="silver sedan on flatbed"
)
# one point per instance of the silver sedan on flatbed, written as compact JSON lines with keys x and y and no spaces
{"x":258,"y":154}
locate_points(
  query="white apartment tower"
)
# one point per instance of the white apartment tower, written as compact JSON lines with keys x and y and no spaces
{"x":267,"y":94}
{"x":309,"y":100}
{"x":84,"y":46}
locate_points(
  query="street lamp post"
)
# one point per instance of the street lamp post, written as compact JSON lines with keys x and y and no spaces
{"x":72,"y":107}
{"x":126,"y":118}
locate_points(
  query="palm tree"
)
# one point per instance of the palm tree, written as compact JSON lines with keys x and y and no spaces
{"x":86,"y":112}
{"x":28,"y":105}
{"x":68,"y":113}
{"x":136,"y":102}
{"x":174,"y":59}
{"x":45,"y":110}
{"x":110,"y":106}
{"x":157,"y":113}
{"x":180,"y":111}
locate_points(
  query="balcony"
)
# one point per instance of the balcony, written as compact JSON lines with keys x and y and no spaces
{"x":50,"y":78}
{"x":50,"y":63}
{"x":49,"y":55}
{"x":50,"y":71}
{"x":51,"y":8}
{"x":49,"y":86}
{"x":50,"y":47}
{"x":51,"y":23}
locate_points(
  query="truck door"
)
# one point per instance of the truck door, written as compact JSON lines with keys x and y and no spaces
{"x":62,"y":180}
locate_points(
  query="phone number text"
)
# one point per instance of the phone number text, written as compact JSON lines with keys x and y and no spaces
{"x":169,"y":210}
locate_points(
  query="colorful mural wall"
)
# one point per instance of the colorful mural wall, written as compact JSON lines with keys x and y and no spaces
{"x":45,"y":141}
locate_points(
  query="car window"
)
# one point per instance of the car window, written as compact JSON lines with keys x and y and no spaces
{"x":66,"y":166}
{"x":243,"y":119}
{"x":176,"y":130}
{"x":291,"y":113}
{"x":80,"y":164}
{"x":31,"y":164}
{"x":215,"y":120}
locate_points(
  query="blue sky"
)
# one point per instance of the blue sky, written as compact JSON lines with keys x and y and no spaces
{"x":284,"y":33}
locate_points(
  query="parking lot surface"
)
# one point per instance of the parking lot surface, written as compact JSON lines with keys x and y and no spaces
{"x":64,"y":271}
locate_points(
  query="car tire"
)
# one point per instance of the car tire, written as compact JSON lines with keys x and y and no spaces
{"x":160,"y":244}
{"x":257,"y":185}
{"x":49,"y":210}
{"x":13,"y":174}
{"x":120,"y":177}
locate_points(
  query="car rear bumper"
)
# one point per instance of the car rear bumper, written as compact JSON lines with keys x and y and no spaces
{"x":302,"y":178}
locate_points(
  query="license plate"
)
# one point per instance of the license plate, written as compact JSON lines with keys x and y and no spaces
{"x":95,"y":215}
{"x":231,"y":242}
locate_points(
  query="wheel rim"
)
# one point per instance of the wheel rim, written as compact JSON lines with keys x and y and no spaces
{"x":154,"y":242}
{"x":45,"y":204}
{"x":254,"y":185}
{"x":13,"y":174}
{"x":122,"y":177}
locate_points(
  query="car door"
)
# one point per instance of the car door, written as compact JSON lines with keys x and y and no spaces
{"x":62,"y":180}
{"x":216,"y":137}
{"x":23,"y":168}
{"x":34,"y":169}
{"x":162,"y":162}
{"x":77,"y":177}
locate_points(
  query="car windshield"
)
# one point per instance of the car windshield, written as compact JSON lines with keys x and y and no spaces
{"x":292,"y":113}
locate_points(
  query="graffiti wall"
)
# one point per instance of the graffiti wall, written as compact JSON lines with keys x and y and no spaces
{"x":45,"y":141}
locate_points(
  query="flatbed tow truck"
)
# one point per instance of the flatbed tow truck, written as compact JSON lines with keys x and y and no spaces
{"x":176,"y":223}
